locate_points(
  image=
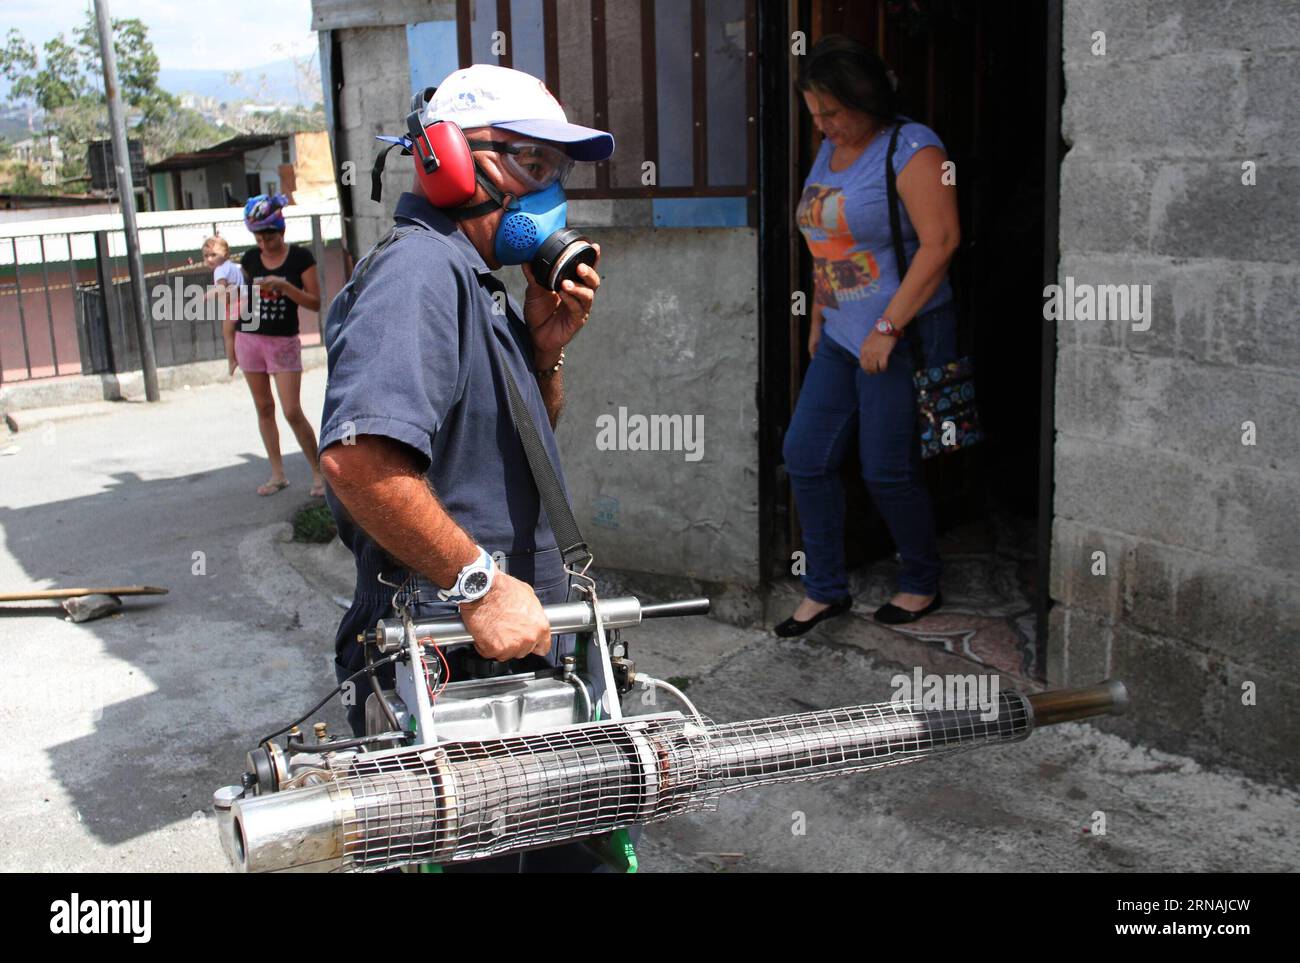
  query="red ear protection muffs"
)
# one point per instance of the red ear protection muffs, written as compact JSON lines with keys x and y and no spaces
{"x":443,"y":162}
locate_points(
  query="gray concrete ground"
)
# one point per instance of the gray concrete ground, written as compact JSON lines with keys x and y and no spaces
{"x":119,"y":729}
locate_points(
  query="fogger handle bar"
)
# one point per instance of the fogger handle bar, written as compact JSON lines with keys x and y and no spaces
{"x":565,"y":617}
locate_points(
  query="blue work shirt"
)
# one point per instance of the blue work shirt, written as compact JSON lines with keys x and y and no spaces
{"x":409,"y":360}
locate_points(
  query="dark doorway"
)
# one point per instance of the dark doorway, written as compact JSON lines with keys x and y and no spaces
{"x":975,"y":73}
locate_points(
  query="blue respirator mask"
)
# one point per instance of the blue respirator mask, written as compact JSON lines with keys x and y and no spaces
{"x":532,"y":231}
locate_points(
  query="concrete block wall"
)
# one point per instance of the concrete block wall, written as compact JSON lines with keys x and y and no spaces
{"x":376,"y":92}
{"x":1200,"y":532}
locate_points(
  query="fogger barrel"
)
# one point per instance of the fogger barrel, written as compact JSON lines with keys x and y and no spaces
{"x":469,"y":800}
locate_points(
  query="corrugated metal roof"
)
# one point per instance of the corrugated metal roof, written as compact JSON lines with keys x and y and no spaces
{"x":226,"y":150}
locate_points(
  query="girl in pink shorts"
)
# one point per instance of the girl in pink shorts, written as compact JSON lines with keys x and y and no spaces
{"x":267,"y":354}
{"x":267,"y":347}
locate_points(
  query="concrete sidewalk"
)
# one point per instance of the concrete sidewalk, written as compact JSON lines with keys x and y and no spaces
{"x":121,"y":728}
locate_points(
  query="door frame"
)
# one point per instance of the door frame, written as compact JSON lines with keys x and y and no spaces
{"x":779,"y":255}
{"x":1053,"y":78}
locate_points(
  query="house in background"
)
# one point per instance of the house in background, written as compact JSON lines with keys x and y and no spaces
{"x":228,"y":173}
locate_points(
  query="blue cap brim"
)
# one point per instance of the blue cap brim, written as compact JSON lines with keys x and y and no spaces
{"x":580,"y":143}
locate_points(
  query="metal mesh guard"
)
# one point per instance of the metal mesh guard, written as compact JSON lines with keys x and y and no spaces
{"x":471,"y":800}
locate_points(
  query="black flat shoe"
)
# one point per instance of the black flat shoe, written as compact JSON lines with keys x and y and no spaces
{"x":891,"y":614}
{"x":792,"y":626}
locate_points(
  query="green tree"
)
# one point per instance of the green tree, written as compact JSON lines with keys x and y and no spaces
{"x":72,"y":71}
{"x":65,"y":80}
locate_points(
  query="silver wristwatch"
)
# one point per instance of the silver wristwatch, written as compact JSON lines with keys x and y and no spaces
{"x":474,"y":580}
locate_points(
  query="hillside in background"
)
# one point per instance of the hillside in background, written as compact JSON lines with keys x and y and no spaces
{"x":272,"y":83}
{"x":276,"y":82}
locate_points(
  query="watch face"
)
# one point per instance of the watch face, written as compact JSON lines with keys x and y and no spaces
{"x":475,"y":584}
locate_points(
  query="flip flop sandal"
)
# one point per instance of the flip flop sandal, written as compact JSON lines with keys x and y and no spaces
{"x":270,"y":488}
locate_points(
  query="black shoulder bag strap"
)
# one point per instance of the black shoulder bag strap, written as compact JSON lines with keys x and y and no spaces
{"x":900,"y":253}
{"x":573,"y":549}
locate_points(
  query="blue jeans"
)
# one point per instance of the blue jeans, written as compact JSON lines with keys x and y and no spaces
{"x":838,"y":397}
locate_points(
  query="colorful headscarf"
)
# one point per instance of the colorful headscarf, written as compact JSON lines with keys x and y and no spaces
{"x":262,"y":213}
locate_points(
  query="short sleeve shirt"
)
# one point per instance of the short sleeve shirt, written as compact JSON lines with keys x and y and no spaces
{"x":844,"y":217}
{"x":230,"y":272}
{"x":409,"y":359}
{"x":274,"y":314}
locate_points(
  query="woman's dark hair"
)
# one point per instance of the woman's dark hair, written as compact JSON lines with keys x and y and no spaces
{"x":852,"y":74}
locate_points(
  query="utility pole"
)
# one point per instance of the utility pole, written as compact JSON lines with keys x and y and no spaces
{"x":126,"y":195}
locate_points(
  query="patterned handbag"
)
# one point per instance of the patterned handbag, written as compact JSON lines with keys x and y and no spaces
{"x":947,"y":418}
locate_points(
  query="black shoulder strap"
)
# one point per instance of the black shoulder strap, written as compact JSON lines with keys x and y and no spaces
{"x":896,"y":233}
{"x":572,"y":547}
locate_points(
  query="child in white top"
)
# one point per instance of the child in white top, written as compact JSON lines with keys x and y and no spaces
{"x":228,"y":277}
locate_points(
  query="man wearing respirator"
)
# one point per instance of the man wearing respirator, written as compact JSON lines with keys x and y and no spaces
{"x":427,"y":475}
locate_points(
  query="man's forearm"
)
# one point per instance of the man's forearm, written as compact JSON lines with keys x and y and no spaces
{"x":552,"y":387}
{"x":384,"y":492}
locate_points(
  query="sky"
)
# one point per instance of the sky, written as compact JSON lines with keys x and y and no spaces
{"x":226,"y":35}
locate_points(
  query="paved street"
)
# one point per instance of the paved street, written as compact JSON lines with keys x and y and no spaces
{"x":119,"y":729}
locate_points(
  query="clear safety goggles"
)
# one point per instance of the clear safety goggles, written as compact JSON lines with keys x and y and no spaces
{"x":536,"y":165}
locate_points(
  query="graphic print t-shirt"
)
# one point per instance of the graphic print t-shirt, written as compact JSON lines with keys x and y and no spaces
{"x":272,"y":313}
{"x":844,"y":217}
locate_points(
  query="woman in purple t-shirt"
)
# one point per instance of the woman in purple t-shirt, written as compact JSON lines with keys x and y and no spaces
{"x":860,"y":376}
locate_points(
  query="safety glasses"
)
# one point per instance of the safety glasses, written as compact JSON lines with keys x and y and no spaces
{"x":537,"y":166}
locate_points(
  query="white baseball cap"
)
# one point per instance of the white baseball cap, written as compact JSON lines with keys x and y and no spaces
{"x":484,"y":95}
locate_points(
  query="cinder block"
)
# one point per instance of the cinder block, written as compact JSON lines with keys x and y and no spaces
{"x":1122,"y":21}
{"x":1261,"y":738}
{"x":1166,"y":107}
{"x":1072,"y":580}
{"x":1258,"y":518}
{"x":1160,"y":28}
{"x":1170,"y":689}
{"x":1099,"y":269}
{"x":1263,"y":327}
{"x":1201,"y":209}
{"x":1272,"y":105}
{"x":1090,"y":638}
{"x":1235,"y":512}
{"x":1105,"y":204}
{"x":1246,"y":315}
{"x":1197,"y":26}
{"x":1244,"y":614}
{"x":1146,"y":494}
{"x":1179,"y":406}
